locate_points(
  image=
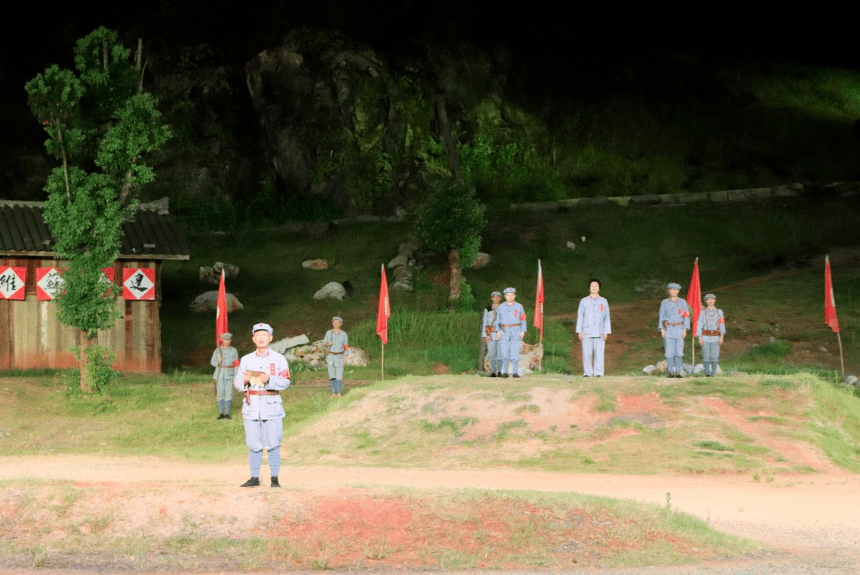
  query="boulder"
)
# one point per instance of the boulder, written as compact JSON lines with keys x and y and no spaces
{"x":530,"y":358}
{"x":481,"y":259}
{"x":402,"y":285}
{"x":283,"y":345}
{"x":700,"y":368}
{"x":408,"y":249}
{"x":331,"y":290}
{"x":230,"y":271}
{"x":571,"y":245}
{"x":208,"y":302}
{"x":212,"y":274}
{"x":402,"y":273}
{"x":662,"y":366}
{"x":400,"y":260}
{"x":356,"y":357}
{"x":649,"y":369}
{"x":315,"y":264}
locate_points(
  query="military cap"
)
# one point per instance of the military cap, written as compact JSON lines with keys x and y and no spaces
{"x":226,"y":336}
{"x":496,"y":293}
{"x":510,"y":290}
{"x":261,"y":327}
{"x":337,"y":318}
{"x":710,"y":296}
{"x":673,"y":285}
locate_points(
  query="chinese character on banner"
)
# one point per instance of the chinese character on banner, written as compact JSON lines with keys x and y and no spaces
{"x":12,"y":282}
{"x":138,"y":283}
{"x":49,"y":283}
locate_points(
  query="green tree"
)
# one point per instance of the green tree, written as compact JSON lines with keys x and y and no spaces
{"x":451,"y":220}
{"x":100,"y":124}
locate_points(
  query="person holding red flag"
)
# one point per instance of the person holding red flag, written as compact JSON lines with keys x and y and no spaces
{"x":673,"y":322}
{"x":225,"y":360}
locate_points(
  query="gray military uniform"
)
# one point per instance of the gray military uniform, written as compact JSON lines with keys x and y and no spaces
{"x":335,"y":358}
{"x":592,"y":321}
{"x":710,"y":327}
{"x":488,"y":329}
{"x":674,"y":319}
{"x":224,"y":360}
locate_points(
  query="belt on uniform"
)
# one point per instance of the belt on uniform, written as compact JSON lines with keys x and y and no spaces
{"x":710,"y":332}
{"x":335,"y":353}
{"x":510,"y":324}
{"x":672,"y":324}
{"x":262,"y":392}
{"x":225,"y":366}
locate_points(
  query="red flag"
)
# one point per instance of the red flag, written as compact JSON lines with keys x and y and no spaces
{"x":221,"y":312}
{"x":829,"y":301}
{"x":384,"y":311}
{"x":694,"y":296}
{"x":538,"y":321}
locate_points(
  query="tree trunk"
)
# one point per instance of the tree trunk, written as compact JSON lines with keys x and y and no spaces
{"x":456,"y":272}
{"x":85,"y":344}
{"x":448,"y":138}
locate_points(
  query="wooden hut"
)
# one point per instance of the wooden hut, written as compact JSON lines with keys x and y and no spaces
{"x":32,"y":337}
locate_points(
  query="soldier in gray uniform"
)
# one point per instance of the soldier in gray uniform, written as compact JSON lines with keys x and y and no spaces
{"x":673,"y":323}
{"x":261,"y":375}
{"x":225,"y":359}
{"x":337,"y":343}
{"x":711,"y":331}
{"x":490,"y":337}
{"x":511,"y":325}
{"x":593,"y":325}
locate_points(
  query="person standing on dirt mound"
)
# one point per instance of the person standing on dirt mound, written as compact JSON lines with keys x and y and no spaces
{"x":711,"y":330}
{"x":262,"y":374}
{"x":592,"y":325}
{"x":225,"y":359}
{"x":511,"y":325}
{"x":673,"y":323}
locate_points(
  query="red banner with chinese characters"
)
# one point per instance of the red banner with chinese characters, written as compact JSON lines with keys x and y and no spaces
{"x":138,"y":284}
{"x":49,"y":283}
{"x":12,"y":281}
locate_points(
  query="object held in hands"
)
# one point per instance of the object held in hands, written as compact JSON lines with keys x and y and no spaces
{"x":257,"y":378}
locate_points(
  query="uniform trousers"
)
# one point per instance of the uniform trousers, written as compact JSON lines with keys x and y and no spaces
{"x":592,"y":355}
{"x":711,"y":356}
{"x":264,"y":434}
{"x":674,"y":348}
{"x":493,"y":354}
{"x":510,"y":349}
{"x":334,"y":363}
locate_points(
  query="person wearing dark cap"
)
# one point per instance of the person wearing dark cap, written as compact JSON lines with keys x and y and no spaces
{"x":337,"y":343}
{"x":673,"y":323}
{"x":593,"y":325}
{"x":711,"y":330}
{"x":511,"y":325}
{"x":225,"y":360}
{"x":262,"y":375}
{"x":490,"y":337}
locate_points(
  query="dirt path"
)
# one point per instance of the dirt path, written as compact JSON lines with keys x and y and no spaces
{"x":810,"y":521}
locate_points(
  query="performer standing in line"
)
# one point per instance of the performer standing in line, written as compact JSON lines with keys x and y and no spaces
{"x":511,"y":325}
{"x":673,"y":323}
{"x":593,"y":325}
{"x":225,"y":359}
{"x":490,"y":337}
{"x":711,"y":330}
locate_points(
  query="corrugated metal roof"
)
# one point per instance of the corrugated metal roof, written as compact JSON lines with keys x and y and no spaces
{"x":149,"y":234}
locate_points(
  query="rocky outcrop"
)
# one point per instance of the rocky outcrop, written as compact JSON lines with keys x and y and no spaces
{"x":208,"y":302}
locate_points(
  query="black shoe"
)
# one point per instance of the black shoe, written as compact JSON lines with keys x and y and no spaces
{"x":492,"y":375}
{"x":275,"y":482}
{"x":227,"y":416}
{"x":253,"y":482}
{"x":504,"y":375}
{"x":498,"y":374}
{"x":220,"y":416}
{"x":516,"y":375}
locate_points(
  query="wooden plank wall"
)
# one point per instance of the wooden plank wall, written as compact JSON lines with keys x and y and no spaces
{"x":34,"y":338}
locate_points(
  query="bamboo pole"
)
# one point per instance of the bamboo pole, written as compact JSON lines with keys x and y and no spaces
{"x":841,"y":359}
{"x":383,"y":359}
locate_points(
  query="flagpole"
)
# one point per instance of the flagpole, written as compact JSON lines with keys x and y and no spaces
{"x":383,"y":360}
{"x":693,"y":331}
{"x":841,"y":359}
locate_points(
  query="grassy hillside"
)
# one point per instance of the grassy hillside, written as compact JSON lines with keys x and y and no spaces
{"x":763,"y":260}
